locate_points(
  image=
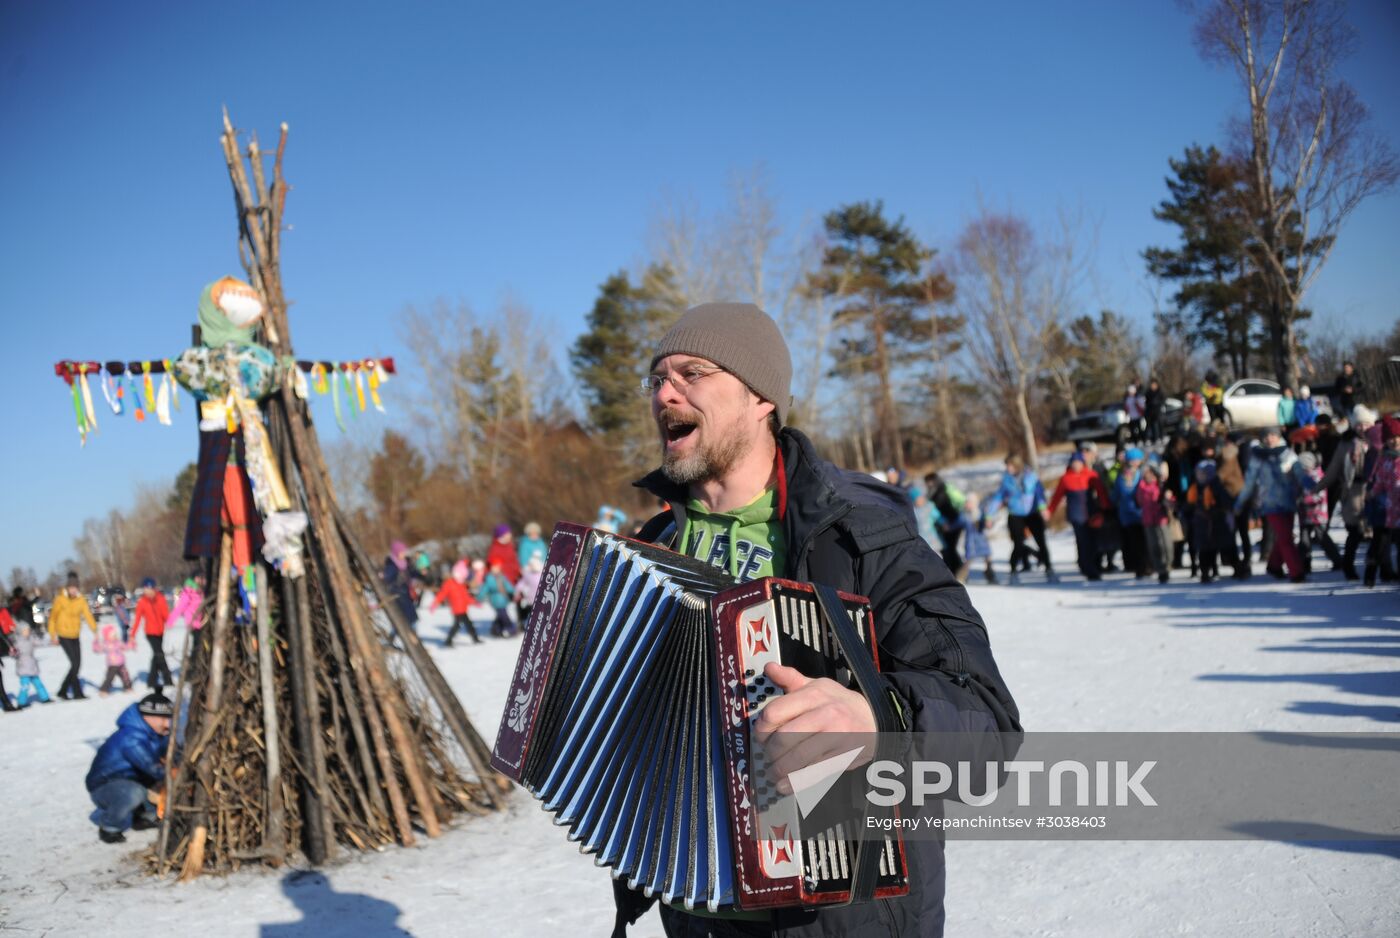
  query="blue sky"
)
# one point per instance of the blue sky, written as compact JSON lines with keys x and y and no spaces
{"x":473,"y":152}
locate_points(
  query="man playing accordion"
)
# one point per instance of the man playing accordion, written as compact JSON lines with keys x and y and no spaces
{"x":750,"y":495}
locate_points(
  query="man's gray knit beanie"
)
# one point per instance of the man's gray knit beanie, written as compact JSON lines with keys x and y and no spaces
{"x":740,"y":338}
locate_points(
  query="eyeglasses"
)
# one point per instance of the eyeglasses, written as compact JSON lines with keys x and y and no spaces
{"x":680,"y":380}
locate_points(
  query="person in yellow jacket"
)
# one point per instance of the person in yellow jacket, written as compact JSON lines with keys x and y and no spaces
{"x":1214,"y":394}
{"x":70,"y":608}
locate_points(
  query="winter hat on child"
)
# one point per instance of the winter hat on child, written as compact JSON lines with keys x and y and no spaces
{"x":1390,"y":427}
{"x":1133,"y":454}
{"x":1308,"y":460}
{"x":1362,"y":414}
{"x":460,"y":570}
{"x":740,"y":338}
{"x":501,"y":530}
{"x":148,"y":583}
{"x":155,"y":704}
{"x":1076,"y":457}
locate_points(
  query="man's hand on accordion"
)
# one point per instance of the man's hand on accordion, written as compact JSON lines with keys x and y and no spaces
{"x":813,"y":719}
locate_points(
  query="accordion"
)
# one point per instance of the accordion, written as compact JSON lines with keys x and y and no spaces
{"x":630,"y":712}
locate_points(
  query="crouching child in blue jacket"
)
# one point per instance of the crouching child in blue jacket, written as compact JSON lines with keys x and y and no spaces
{"x":127,"y":766}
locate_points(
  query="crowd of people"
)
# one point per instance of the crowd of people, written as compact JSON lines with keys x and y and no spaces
{"x":506,"y":580}
{"x":21,"y":636}
{"x":1194,"y":504}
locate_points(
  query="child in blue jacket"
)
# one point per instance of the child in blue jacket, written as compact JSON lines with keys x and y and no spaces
{"x":129,"y":763}
{"x":497,"y":592}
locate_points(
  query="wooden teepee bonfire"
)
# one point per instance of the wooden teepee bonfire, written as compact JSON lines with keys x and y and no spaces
{"x":307,"y":728}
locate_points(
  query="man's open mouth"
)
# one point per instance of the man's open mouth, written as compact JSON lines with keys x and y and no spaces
{"x":675,"y":429}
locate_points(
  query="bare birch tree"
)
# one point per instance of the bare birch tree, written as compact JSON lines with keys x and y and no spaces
{"x":1310,"y":156}
{"x":1014,"y":293}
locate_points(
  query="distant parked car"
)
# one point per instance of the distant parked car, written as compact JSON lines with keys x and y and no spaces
{"x":1110,"y":422}
{"x":1252,"y":404}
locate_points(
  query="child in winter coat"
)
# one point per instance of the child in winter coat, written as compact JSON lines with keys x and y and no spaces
{"x":1313,"y":516}
{"x":129,"y":763}
{"x":459,"y":598}
{"x":27,"y":664}
{"x":7,"y":628}
{"x":110,"y":644}
{"x":1305,"y":408}
{"x":187,"y":606}
{"x":1272,"y":484}
{"x":531,"y":544}
{"x":1153,"y":501}
{"x":1024,"y":497}
{"x":1209,"y":518}
{"x":1287,"y":410}
{"x":122,"y":610}
{"x":497,"y":591}
{"x":1085,"y":502}
{"x":976,"y":524}
{"x":1383,"y":504}
{"x":528,"y":588}
{"x":1124,"y":494}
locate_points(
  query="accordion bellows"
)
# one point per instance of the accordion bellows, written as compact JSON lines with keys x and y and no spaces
{"x":628,"y":717}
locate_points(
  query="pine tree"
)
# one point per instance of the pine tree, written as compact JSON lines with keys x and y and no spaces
{"x":1209,"y":201}
{"x":612,"y":355}
{"x":877,"y":273}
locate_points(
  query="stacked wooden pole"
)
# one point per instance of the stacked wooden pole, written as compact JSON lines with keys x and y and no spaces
{"x":306,"y":728}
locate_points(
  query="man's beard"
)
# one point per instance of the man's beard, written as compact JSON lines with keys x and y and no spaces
{"x":709,"y":460}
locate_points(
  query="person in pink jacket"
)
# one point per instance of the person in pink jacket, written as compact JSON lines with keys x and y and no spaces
{"x":1383,"y":504}
{"x":1152,"y":498}
{"x":187,"y":604}
{"x":109,"y":643}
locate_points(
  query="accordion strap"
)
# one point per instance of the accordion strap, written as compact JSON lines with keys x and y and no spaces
{"x":862,"y":667}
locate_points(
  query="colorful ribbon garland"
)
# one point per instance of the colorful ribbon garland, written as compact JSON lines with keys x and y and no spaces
{"x":159,"y":395}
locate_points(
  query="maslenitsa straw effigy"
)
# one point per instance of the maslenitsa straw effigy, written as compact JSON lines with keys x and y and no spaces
{"x":310,"y":717}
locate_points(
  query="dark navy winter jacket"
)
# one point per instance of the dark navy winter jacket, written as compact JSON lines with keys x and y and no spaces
{"x":846,"y":530}
{"x":133,"y":752}
{"x":1274,"y":481}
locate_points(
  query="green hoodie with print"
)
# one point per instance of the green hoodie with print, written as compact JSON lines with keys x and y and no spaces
{"x":755,"y":528}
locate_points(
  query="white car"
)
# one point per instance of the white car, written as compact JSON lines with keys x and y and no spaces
{"x":1252,"y":404}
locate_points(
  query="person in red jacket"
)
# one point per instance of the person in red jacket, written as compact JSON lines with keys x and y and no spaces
{"x":459,"y":599}
{"x":7,"y":628}
{"x":1086,"y":500}
{"x":503,"y":552}
{"x":151,"y":613}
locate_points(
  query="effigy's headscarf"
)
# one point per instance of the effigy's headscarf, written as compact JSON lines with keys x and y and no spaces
{"x":228,"y":311}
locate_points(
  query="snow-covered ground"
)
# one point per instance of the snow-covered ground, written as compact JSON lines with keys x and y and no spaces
{"x":1116,"y":656}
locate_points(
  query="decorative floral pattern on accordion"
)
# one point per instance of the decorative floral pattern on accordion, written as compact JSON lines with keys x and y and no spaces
{"x":549,"y":597}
